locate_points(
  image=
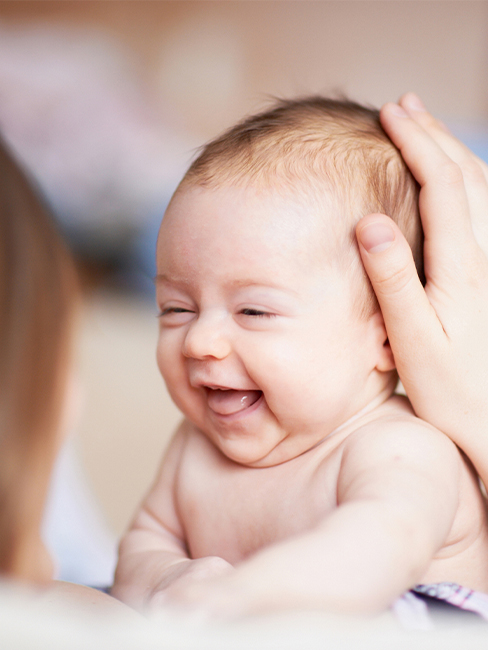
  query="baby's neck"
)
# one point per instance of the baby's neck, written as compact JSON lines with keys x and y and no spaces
{"x":352,"y":422}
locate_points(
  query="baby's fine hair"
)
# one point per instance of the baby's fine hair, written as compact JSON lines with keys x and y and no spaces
{"x":317,"y":147}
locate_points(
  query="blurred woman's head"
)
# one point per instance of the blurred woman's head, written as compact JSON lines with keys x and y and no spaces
{"x":37,"y":298}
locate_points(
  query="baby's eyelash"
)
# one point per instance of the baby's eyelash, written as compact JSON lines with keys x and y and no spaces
{"x":256,"y":313}
{"x":173,"y":310}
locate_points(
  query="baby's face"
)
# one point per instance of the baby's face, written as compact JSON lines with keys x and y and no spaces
{"x":260,"y":344}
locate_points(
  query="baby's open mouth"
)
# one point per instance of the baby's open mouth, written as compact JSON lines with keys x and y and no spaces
{"x":228,"y":402}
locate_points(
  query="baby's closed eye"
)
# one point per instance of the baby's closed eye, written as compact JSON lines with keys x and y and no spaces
{"x":175,"y":315}
{"x":174,"y":310}
{"x":249,"y":311}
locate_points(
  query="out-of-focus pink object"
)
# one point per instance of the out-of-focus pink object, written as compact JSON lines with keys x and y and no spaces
{"x":73,"y":110}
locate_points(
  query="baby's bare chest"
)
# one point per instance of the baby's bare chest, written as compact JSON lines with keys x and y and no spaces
{"x":233,"y":511}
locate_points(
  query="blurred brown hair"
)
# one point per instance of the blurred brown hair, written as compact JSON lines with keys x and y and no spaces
{"x":37,"y":290}
{"x":314,"y":146}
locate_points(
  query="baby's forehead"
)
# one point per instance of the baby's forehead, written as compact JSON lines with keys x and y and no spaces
{"x":317,"y":207}
{"x":301,"y":229}
{"x":312,"y":217}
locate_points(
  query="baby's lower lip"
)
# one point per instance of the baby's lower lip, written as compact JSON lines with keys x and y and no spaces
{"x":231,"y":402}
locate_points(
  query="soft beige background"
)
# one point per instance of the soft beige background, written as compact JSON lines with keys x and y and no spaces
{"x":127,"y":416}
{"x":203,"y":65}
{"x":210,"y":62}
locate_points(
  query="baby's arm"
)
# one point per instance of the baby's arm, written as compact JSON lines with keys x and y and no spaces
{"x":153,"y":553}
{"x":397,"y":498}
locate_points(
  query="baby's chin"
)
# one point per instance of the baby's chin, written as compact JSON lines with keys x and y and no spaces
{"x":254,"y":451}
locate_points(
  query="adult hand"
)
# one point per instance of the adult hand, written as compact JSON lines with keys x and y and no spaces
{"x":439,"y":335}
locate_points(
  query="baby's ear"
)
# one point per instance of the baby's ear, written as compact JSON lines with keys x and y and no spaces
{"x":384,"y":360}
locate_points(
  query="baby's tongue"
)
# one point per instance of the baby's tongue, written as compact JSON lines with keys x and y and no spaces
{"x":227,"y":402}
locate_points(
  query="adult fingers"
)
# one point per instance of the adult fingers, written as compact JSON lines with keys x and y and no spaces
{"x":444,"y":205}
{"x":474,"y":170}
{"x":457,"y":150}
{"x":411,"y":322}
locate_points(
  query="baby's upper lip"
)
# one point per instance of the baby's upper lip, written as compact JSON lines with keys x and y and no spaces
{"x":216,"y":386}
{"x":213,"y":385}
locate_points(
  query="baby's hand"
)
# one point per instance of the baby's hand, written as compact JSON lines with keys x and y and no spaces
{"x":220,"y":597}
{"x":180,"y":585}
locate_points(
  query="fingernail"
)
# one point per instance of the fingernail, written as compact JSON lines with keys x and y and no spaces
{"x":415,"y":103}
{"x":376,"y":237}
{"x":397,"y":110}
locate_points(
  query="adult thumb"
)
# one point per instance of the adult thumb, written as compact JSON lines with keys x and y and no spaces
{"x":388,"y":260}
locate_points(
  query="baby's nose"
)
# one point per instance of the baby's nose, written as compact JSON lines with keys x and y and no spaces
{"x":206,"y":338}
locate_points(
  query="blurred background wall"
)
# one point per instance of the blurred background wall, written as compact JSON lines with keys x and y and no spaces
{"x":207,"y":63}
{"x":105,"y":103}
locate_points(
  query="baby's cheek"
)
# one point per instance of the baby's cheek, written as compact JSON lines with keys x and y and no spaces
{"x":280,"y":370}
{"x":172,"y":366}
{"x":161,"y":358}
{"x":168,"y":360}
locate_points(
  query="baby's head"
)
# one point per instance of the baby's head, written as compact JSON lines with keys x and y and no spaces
{"x":270,"y":337}
{"x":325,"y":151}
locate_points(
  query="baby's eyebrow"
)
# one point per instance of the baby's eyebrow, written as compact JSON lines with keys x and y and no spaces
{"x":252,"y":283}
{"x":162,"y":277}
{"x":232,"y":285}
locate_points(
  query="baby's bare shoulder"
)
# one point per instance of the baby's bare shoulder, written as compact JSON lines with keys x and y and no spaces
{"x":174,"y":456}
{"x":397,"y":428}
{"x":397,"y":441}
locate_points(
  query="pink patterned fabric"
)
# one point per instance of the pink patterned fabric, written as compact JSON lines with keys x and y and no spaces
{"x":454,"y":594}
{"x":413,"y":612}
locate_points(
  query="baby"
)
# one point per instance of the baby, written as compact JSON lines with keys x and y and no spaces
{"x":297,"y":478}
